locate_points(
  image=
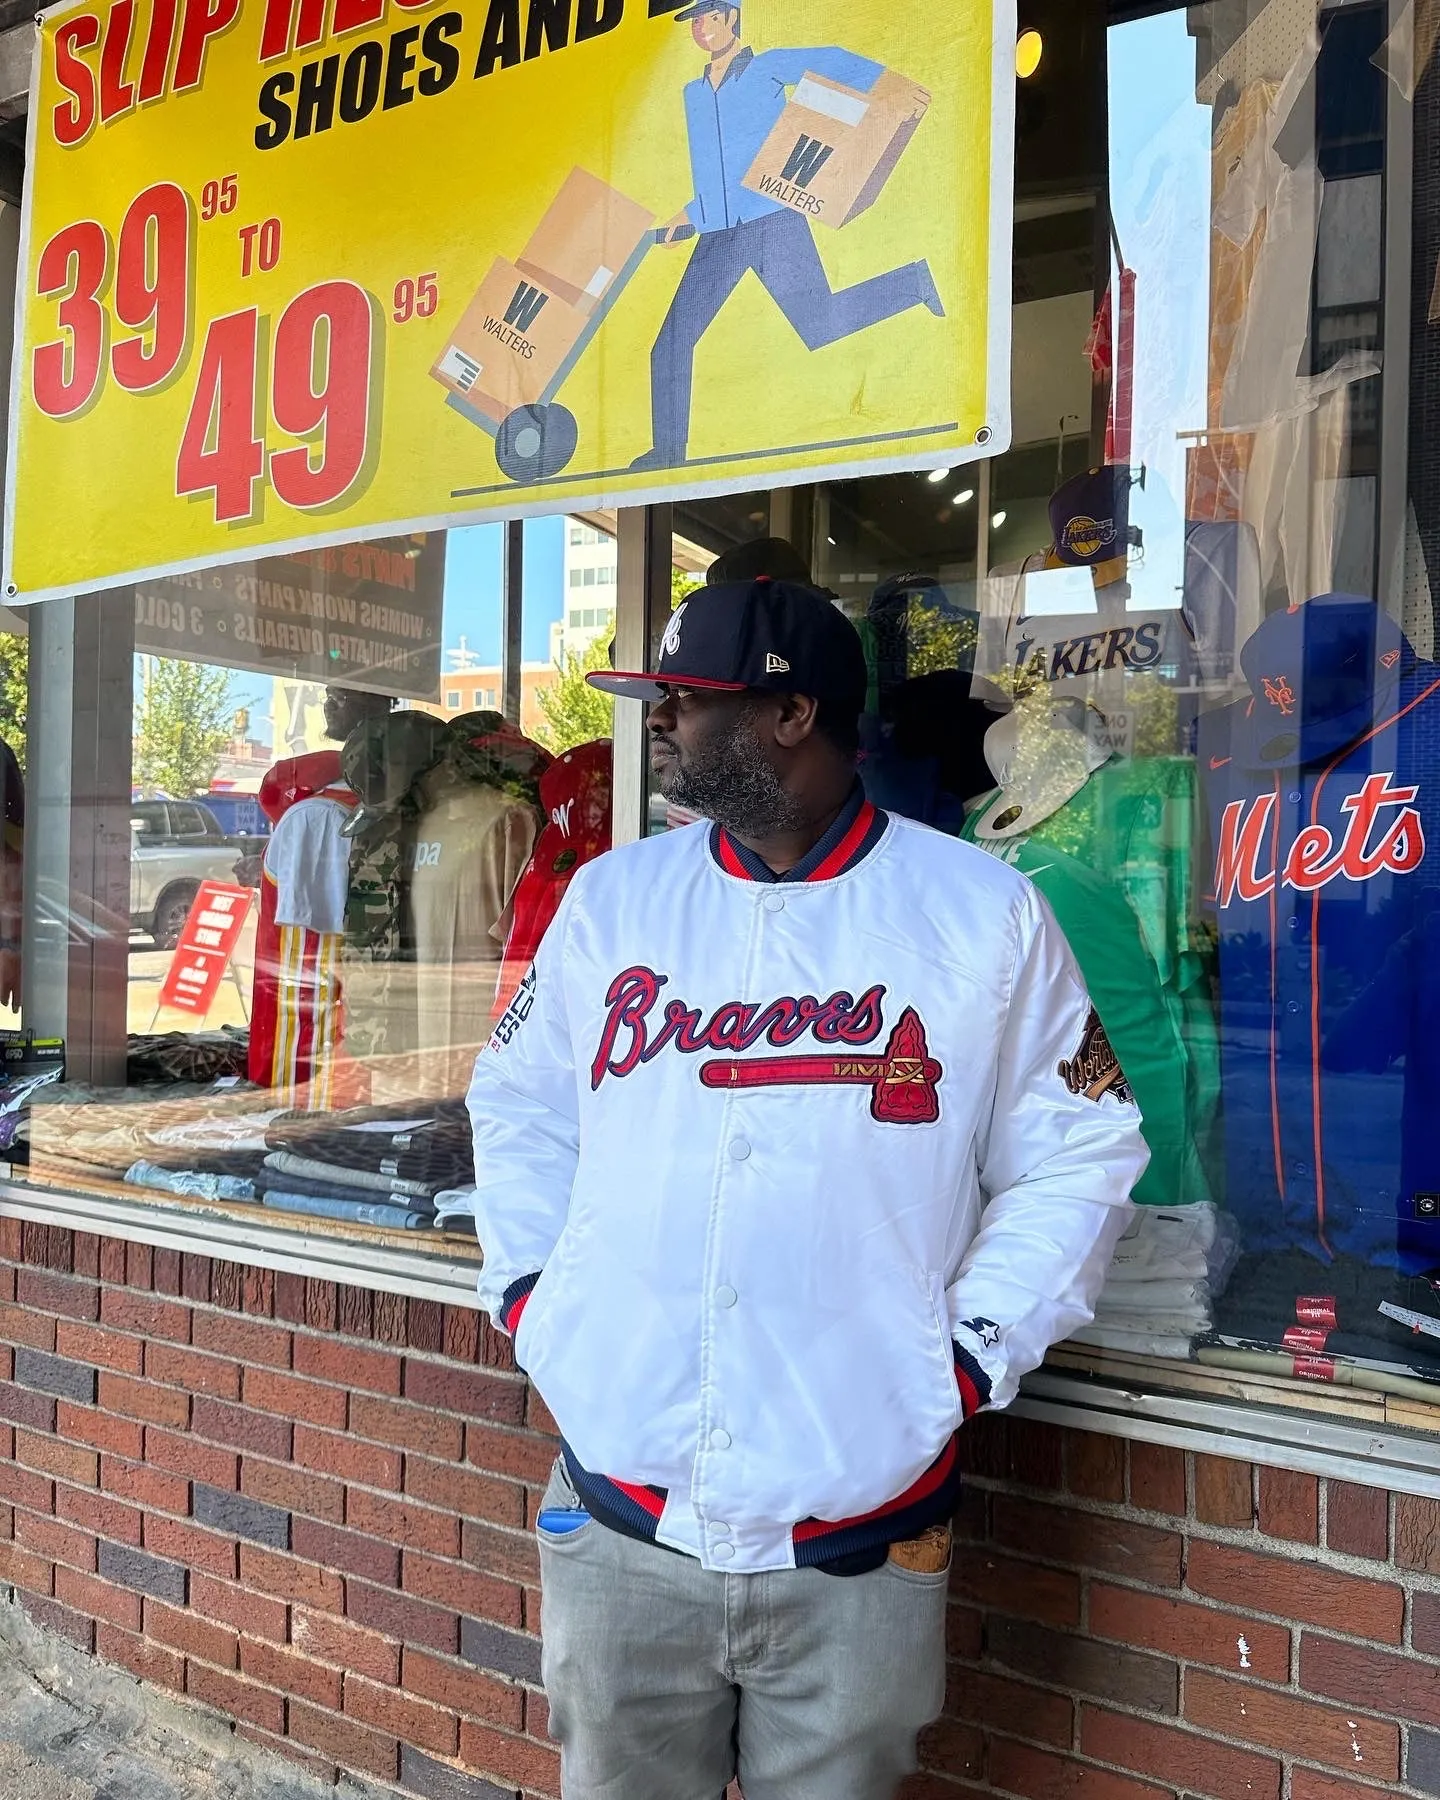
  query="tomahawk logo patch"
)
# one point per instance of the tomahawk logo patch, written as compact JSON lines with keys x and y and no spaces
{"x":1094,"y":1070}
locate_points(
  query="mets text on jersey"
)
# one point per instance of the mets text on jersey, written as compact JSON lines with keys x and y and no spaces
{"x":1383,"y":831}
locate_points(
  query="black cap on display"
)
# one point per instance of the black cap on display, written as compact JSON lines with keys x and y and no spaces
{"x":772,"y":635}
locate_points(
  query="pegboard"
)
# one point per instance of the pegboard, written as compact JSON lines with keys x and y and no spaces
{"x":1266,"y":49}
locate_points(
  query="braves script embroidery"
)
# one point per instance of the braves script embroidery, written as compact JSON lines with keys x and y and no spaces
{"x":1094,"y":1070}
{"x":903,"y":1083}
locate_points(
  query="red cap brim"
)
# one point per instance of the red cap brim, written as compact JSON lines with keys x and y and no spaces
{"x":652,"y":687}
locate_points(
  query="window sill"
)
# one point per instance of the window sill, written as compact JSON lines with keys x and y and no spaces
{"x":383,"y":1260}
{"x":1374,"y":1440}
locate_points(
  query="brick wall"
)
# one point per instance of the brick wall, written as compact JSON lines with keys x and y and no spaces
{"x":307,"y":1508}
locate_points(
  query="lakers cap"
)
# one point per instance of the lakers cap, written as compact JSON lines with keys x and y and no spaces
{"x":773,"y":635}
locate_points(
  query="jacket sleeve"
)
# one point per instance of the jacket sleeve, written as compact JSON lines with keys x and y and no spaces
{"x":1061,"y":1154}
{"x":525,"y":1119}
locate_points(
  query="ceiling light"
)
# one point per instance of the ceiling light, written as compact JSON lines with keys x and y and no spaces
{"x":997,"y":520}
{"x":937,"y":475}
{"x":1029,"y":49}
{"x":964,"y":497}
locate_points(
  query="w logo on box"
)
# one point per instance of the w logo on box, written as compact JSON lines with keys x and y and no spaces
{"x":806,"y":160}
{"x":524,"y":309}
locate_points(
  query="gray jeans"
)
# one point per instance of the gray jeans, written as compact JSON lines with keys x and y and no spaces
{"x":665,"y":1680}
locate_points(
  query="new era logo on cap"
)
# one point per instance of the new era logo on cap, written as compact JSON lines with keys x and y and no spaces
{"x":774,"y":635}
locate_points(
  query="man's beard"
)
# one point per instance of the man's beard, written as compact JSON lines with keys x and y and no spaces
{"x":726,"y":777}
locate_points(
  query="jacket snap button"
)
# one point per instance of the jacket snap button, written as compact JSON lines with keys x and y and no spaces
{"x":774,"y":903}
{"x":725,"y":1296}
{"x":719,"y":1440}
{"x":739,"y":1149}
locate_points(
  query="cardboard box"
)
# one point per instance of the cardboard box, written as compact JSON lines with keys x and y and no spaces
{"x":833,"y":148}
{"x":587,"y":236}
{"x":510,"y":341}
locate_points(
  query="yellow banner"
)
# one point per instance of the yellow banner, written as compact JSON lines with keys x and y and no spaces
{"x":295,"y":272}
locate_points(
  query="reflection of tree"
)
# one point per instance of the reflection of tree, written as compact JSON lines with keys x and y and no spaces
{"x":935,"y":639}
{"x":186,"y":716}
{"x":575,"y":713}
{"x":14,"y":680}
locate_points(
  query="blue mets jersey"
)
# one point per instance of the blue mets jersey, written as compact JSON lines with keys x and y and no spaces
{"x":1323,"y":799}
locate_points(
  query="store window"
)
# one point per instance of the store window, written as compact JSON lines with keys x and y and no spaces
{"x":1171,"y":656}
{"x":338,"y":857}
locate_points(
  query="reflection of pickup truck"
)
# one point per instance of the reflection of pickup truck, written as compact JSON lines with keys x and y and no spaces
{"x":175,"y":845}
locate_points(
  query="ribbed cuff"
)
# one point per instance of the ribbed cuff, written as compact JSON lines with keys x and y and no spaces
{"x":973,"y":1381}
{"x":514,"y":1301}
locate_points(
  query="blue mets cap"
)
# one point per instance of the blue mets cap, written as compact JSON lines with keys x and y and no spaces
{"x":1318,"y":674}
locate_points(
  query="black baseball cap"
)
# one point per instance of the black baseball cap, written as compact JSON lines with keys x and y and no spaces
{"x":774,"y":635}
{"x":703,"y":6}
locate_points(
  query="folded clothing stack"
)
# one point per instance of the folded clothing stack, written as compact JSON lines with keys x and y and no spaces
{"x":1168,"y":1270}
{"x":371,"y":1165}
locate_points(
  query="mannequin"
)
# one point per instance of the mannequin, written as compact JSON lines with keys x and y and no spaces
{"x":1107,"y":843}
{"x":575,"y":802}
{"x":295,"y":1018}
{"x":476,"y":823}
{"x":383,"y":759}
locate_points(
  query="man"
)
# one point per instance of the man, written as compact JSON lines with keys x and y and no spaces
{"x":799,"y":1145}
{"x":730,"y":110}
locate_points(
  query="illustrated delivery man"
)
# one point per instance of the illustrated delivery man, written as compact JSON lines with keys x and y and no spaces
{"x":729,"y":112}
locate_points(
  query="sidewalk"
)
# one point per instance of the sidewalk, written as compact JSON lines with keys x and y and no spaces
{"x":72,"y":1730}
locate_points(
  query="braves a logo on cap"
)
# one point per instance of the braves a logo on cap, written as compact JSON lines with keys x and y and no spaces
{"x":1094,"y":1070}
{"x":1279,"y":692}
{"x":904,"y":1082}
{"x":670,"y":643}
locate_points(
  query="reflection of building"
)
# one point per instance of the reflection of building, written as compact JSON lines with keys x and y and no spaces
{"x":477,"y":690}
{"x":590,"y":563}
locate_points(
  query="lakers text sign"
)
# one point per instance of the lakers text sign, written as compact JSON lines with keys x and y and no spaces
{"x":297,"y":272}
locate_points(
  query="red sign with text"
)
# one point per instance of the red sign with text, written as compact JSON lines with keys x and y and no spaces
{"x":206,"y":945}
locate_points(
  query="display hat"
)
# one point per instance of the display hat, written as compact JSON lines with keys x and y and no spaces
{"x":297,"y":778}
{"x":1042,"y":753}
{"x":1090,"y":517}
{"x":774,"y":635}
{"x":1318,"y":674}
{"x":383,"y":758}
{"x":694,"y":10}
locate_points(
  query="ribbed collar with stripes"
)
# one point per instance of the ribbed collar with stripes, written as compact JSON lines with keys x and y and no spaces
{"x":852,"y":837}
